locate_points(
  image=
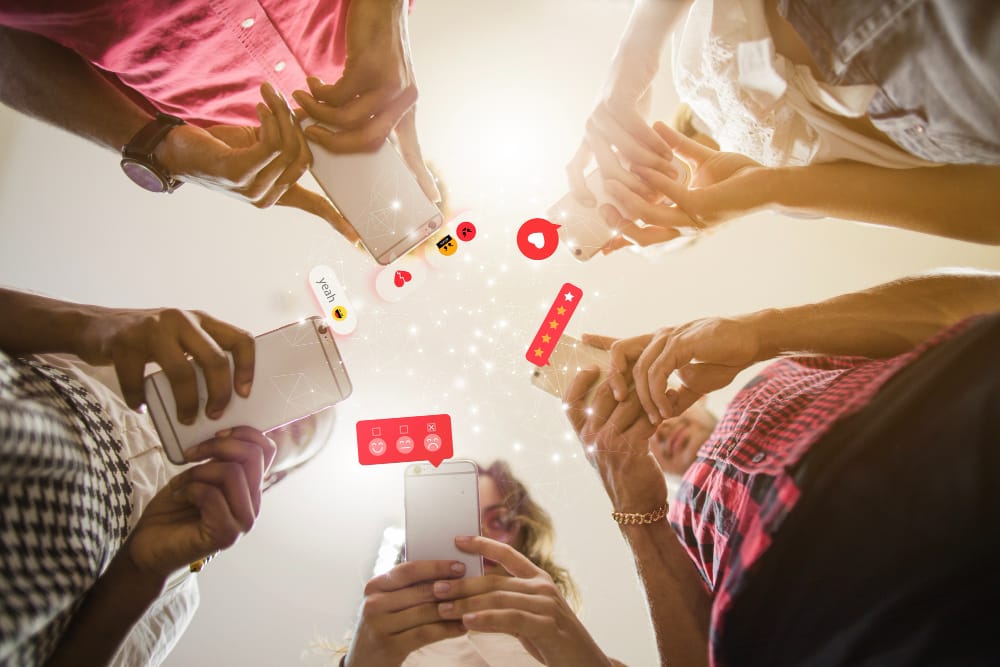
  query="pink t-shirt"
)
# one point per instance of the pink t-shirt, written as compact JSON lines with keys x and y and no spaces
{"x":201,"y":60}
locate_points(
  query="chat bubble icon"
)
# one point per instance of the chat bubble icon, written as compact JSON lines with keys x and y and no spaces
{"x":554,"y":324}
{"x":405,"y":440}
{"x":332,"y":298}
{"x":538,"y":238}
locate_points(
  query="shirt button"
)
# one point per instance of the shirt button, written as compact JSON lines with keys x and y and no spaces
{"x":247,"y":23}
{"x":758,"y":457}
{"x":280,"y":65}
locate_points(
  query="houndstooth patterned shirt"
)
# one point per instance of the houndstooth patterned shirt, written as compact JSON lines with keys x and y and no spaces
{"x":64,"y":504}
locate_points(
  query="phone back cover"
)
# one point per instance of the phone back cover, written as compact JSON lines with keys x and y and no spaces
{"x":442,"y":504}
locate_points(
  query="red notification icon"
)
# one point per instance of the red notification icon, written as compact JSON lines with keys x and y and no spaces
{"x":405,"y":439}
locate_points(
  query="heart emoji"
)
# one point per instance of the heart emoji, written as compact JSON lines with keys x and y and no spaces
{"x":401,"y":278}
{"x":537,"y":239}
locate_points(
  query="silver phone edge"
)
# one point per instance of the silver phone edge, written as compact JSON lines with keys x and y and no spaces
{"x":157,"y":414}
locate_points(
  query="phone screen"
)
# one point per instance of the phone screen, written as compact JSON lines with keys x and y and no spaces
{"x":441,"y":504}
{"x":297,"y":371}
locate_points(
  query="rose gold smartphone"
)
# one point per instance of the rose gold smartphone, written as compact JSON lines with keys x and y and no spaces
{"x":297,"y":371}
{"x":379,"y":196}
{"x":568,"y":358}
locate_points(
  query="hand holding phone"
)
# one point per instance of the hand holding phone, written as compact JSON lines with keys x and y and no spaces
{"x":568,"y":358}
{"x":441,"y":504}
{"x":297,"y":371}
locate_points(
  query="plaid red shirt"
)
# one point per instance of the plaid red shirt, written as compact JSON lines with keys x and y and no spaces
{"x":740,"y":488}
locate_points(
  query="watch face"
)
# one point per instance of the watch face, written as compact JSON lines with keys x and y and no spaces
{"x":144,"y":176}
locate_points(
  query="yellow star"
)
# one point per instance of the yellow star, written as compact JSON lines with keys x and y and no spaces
{"x":538,"y":352}
{"x":553,"y":324}
{"x":561,"y":310}
{"x":546,"y":338}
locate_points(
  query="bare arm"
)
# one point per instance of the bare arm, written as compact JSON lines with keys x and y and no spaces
{"x":879,"y":322}
{"x":957,"y":201}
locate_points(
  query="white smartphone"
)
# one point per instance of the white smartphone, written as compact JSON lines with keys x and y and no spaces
{"x":582,"y":229}
{"x":441,"y":504}
{"x":568,"y":358}
{"x":379,"y":196}
{"x":297,"y":371}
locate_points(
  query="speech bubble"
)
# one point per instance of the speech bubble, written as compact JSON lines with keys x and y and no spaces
{"x":332,"y":299}
{"x":538,"y":238}
{"x":404,"y":440}
{"x":554,"y":324}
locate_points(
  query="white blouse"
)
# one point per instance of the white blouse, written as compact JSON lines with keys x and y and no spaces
{"x":758,"y":103}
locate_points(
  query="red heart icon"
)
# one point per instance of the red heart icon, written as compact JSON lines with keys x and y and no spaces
{"x":401,"y":278}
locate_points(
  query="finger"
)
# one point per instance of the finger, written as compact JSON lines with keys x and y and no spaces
{"x":681,"y":398}
{"x":244,"y":445}
{"x":213,"y":362}
{"x":346,"y":88}
{"x":418,"y":637}
{"x":219,"y":527}
{"x":616,"y":243}
{"x":239,"y":343}
{"x":612,"y":170}
{"x":705,"y":378}
{"x":352,"y":114}
{"x":171,"y":358}
{"x":632,"y":147}
{"x":675,"y":354}
{"x":130,"y":367}
{"x":409,"y":148}
{"x":600,"y":342}
{"x":513,"y":561}
{"x":577,"y":180}
{"x":648,"y":235}
{"x":462,"y":588}
{"x":636,"y":126}
{"x":675,"y":191}
{"x":370,"y":137}
{"x":640,"y":375}
{"x":602,"y":406}
{"x":636,"y":208}
{"x":230,"y":478}
{"x":576,"y":394}
{"x":625,"y":414}
{"x":683,"y":145}
{"x":391,"y":602}
{"x":535,"y":604}
{"x":412,"y":572}
{"x":624,"y":352}
{"x":311,"y":202}
{"x":511,"y":622}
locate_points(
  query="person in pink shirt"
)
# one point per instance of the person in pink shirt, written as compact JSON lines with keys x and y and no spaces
{"x":196,"y":91}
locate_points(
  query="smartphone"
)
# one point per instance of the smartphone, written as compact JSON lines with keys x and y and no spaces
{"x":297,"y":371}
{"x":379,"y":196}
{"x":582,"y":229}
{"x":441,"y":504}
{"x":568,"y":358}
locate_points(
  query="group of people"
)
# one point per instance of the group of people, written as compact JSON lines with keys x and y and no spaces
{"x":838,"y":512}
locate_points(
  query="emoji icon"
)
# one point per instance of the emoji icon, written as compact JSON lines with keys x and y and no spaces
{"x":332,"y":299}
{"x":466,"y":231}
{"x":554,"y":324}
{"x":377,"y":447}
{"x":538,"y":238}
{"x":447,"y":246}
{"x":395,"y":283}
{"x":375,"y":434}
{"x":401,"y":278}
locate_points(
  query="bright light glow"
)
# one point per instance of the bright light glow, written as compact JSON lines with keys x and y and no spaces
{"x":395,"y":205}
{"x":517,"y":446}
{"x":556,"y":457}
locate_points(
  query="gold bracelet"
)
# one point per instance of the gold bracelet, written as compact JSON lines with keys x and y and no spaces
{"x":201,"y":562}
{"x":636,"y":518}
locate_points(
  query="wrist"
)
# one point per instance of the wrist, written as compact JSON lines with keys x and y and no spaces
{"x":771,"y":327}
{"x":143,"y":584}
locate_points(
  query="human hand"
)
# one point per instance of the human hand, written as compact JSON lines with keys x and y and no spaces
{"x":205,"y":508}
{"x":377,"y":92}
{"x":617,"y":134}
{"x":616,"y":435}
{"x":526,"y":605}
{"x":399,"y":614}
{"x":260,"y":165}
{"x":131,"y":338}
{"x":722,"y":186}
{"x":707,"y":354}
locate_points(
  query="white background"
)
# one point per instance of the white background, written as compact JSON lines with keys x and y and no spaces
{"x":505,"y":88}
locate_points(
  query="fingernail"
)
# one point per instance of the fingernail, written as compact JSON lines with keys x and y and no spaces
{"x":213,"y":413}
{"x":463,"y":539}
{"x":243,"y":388}
{"x":441,"y":587}
{"x":458,"y":568}
{"x":224,"y":433}
{"x":445,"y":607}
{"x":192,"y":453}
{"x":298,"y":95}
{"x":469,"y":618}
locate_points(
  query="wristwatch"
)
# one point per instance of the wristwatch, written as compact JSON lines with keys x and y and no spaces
{"x":138,"y":161}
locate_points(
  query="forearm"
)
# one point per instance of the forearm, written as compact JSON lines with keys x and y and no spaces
{"x":51,"y":83}
{"x":679,"y":604}
{"x":957,"y":201}
{"x":110,"y":609}
{"x":649,"y":25}
{"x":879,"y":322}
{"x":36,"y":324}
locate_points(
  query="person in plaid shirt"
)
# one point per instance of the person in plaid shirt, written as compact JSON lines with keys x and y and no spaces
{"x":817,"y":521}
